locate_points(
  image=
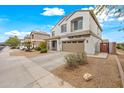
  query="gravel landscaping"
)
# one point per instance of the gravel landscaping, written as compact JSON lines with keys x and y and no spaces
{"x":121,"y":57}
{"x":26,"y":53}
{"x":105,"y":74}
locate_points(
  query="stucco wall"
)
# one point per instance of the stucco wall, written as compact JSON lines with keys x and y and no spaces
{"x":85,"y":24}
{"x":39,"y":36}
{"x":92,"y":45}
{"x":94,"y":27}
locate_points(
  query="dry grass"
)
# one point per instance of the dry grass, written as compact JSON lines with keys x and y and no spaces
{"x":26,"y":53}
{"x":105,"y":74}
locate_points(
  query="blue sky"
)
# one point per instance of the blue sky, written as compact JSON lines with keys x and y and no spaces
{"x":21,"y":20}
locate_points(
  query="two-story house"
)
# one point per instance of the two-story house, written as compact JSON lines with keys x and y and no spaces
{"x":37,"y":36}
{"x":79,"y":31}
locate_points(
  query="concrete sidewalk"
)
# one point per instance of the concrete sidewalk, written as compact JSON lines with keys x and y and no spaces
{"x":22,"y":72}
{"x":99,"y":55}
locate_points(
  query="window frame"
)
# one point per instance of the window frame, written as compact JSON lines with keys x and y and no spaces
{"x":63,"y":28}
{"x":77,"y":22}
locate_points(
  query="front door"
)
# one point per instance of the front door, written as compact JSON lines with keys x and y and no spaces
{"x":54,"y":45}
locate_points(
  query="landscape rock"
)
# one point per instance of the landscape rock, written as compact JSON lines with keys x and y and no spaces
{"x":87,"y":76}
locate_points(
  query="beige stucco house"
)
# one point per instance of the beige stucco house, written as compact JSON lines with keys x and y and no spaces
{"x":77,"y":32}
{"x":37,"y":36}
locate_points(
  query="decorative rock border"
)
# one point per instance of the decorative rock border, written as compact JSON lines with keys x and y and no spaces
{"x":120,"y":70}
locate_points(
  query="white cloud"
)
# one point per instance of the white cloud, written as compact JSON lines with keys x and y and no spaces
{"x":111,"y":19}
{"x":101,"y":24}
{"x":120,"y":19}
{"x":3,"y":19}
{"x":16,"y":33}
{"x":89,"y":8}
{"x":53,"y":11}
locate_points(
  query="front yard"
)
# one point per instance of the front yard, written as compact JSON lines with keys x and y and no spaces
{"x":26,"y":53}
{"x":105,"y":74}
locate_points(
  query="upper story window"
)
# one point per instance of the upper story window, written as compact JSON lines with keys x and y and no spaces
{"x":63,"y":28}
{"x":77,"y":24}
{"x":53,"y":33}
{"x":32,"y":36}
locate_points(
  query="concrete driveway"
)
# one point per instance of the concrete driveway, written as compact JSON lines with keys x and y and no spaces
{"x":20,"y":72}
{"x":12,"y":71}
{"x":50,"y":61}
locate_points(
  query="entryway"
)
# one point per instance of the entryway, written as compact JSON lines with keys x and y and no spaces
{"x":54,"y":45}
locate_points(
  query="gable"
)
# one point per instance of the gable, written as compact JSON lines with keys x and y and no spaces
{"x":66,"y":18}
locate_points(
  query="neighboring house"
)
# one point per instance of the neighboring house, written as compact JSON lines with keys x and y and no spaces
{"x":37,"y":36}
{"x":22,"y":41}
{"x":80,"y":31}
{"x":21,"y":46}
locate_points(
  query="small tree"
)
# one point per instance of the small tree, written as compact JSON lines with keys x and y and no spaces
{"x":13,"y":42}
{"x":28,"y":45}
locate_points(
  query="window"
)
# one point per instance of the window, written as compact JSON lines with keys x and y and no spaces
{"x":53,"y":33}
{"x":80,"y":41}
{"x":68,"y":41}
{"x":63,"y":28}
{"x":64,"y":41}
{"x":74,"y":41}
{"x":77,"y":24}
{"x":32,"y":36}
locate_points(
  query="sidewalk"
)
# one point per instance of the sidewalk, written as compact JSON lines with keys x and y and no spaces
{"x":99,"y":55}
{"x":22,"y":72}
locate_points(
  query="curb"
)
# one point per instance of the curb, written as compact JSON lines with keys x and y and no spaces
{"x":120,"y":70}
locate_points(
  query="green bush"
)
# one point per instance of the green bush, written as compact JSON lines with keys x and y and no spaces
{"x":13,"y":47}
{"x":74,"y":60}
{"x":41,"y":46}
{"x":120,"y":47}
{"x":37,"y":48}
{"x":43,"y":50}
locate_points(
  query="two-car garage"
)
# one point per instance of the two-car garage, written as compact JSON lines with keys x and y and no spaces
{"x":73,"y":46}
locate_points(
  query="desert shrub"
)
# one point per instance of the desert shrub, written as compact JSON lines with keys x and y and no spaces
{"x":37,"y":48}
{"x":120,"y":47}
{"x":83,"y":58}
{"x":74,"y":60}
{"x":71,"y":60}
{"x":43,"y":50}
{"x":41,"y":46}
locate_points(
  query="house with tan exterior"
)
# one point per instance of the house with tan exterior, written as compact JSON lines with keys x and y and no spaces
{"x":79,"y":31}
{"x":37,"y":36}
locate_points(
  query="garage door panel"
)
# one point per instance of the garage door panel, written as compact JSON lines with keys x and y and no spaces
{"x":73,"y":47}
